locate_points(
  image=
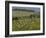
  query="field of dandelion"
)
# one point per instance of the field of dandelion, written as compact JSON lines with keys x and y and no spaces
{"x":25,"y":21}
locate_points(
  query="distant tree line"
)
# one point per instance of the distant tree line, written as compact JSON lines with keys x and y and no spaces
{"x":23,"y":10}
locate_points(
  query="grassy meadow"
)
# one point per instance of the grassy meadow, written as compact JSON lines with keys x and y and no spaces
{"x":25,"y":21}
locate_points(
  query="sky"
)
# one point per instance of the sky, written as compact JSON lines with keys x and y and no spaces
{"x":28,"y":8}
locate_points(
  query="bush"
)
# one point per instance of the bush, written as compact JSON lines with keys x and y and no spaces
{"x":32,"y":16}
{"x":15,"y":18}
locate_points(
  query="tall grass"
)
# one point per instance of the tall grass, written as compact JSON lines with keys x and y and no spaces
{"x":27,"y":22}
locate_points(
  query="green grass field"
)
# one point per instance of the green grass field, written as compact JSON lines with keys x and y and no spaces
{"x":25,"y":23}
